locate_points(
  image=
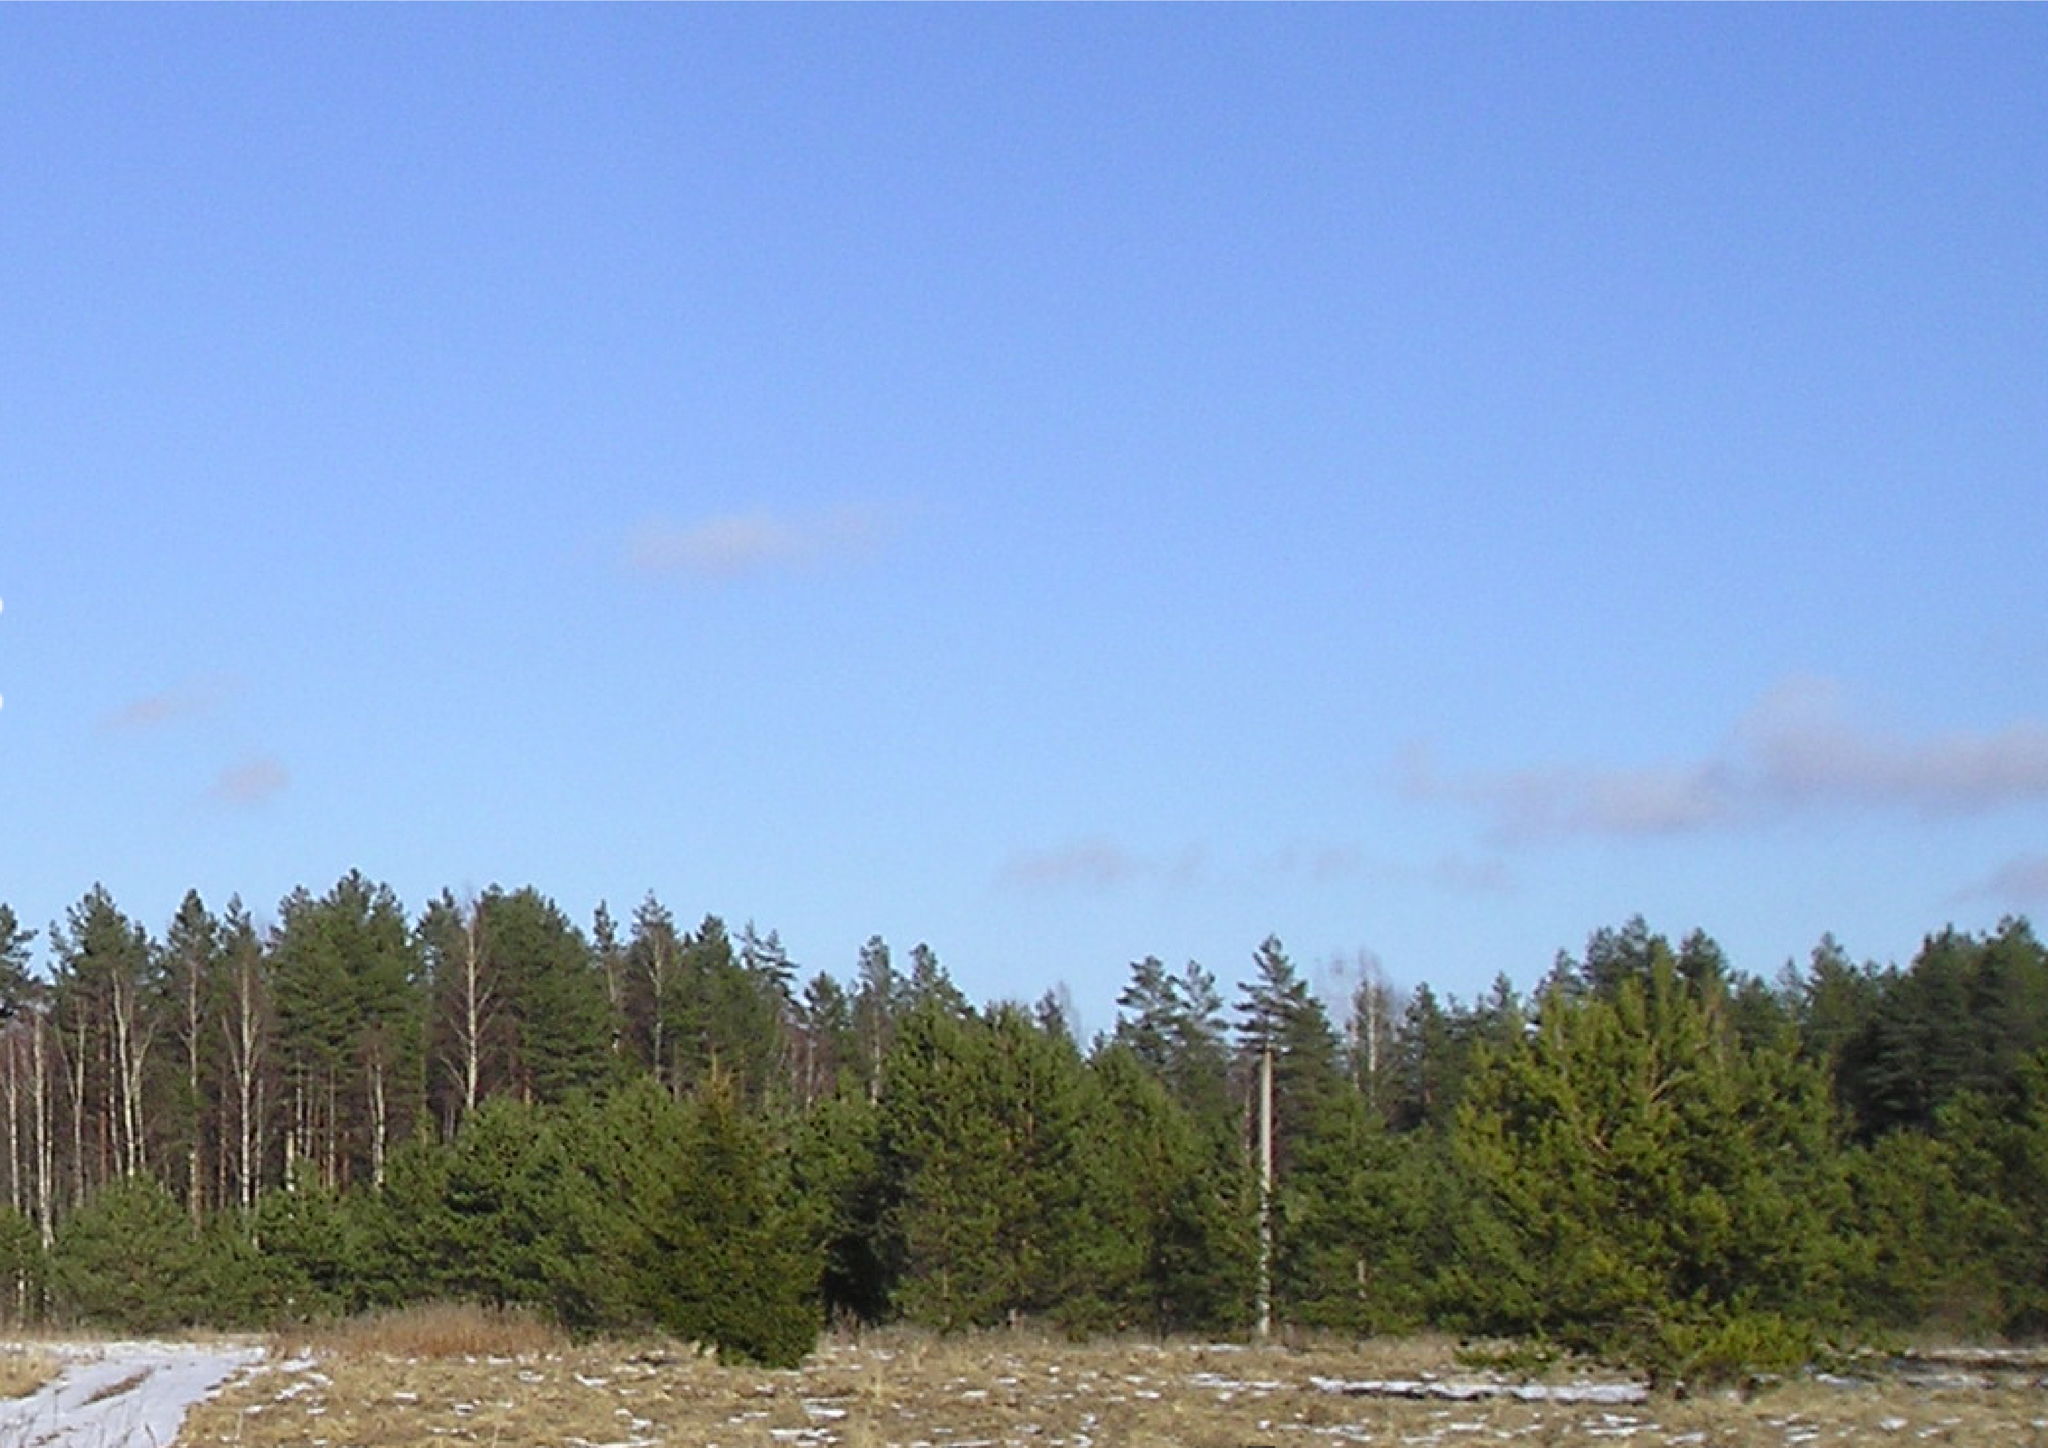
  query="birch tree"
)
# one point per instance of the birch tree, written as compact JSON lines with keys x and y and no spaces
{"x":246,"y":1027}
{"x":463,"y":980}
{"x":653,"y":964}
{"x":103,"y":978}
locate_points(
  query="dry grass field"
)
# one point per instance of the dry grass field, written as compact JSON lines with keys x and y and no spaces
{"x":414,"y":1380}
{"x":24,"y":1368}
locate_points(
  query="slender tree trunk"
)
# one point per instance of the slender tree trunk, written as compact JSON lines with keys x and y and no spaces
{"x":243,"y":1028}
{"x":379,"y":1122}
{"x":78,"y":1120}
{"x":14,"y":1186}
{"x":252,"y":1153}
{"x":657,"y":973}
{"x":45,"y":1154}
{"x":291,"y":1132}
{"x":195,"y":1163}
{"x":473,"y":1001}
{"x":1265,"y":1298}
{"x":331,"y":1136}
{"x":132,"y":1036}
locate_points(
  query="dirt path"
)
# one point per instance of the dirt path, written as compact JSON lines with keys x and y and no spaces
{"x":120,"y":1394}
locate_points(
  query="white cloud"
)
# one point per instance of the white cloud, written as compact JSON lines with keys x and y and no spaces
{"x":251,"y":782}
{"x":735,"y":545}
{"x":1804,"y":749}
{"x":1654,"y":800}
{"x":1797,"y":750}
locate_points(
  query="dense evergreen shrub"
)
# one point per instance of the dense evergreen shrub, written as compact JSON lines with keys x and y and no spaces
{"x":130,"y":1260}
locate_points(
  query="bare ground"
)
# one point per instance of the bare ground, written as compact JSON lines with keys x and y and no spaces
{"x":1002,"y":1389}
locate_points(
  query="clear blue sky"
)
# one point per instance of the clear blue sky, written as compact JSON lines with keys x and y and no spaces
{"x":1061,"y":484}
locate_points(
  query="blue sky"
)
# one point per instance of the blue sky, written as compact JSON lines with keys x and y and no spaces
{"x":1060,"y":484}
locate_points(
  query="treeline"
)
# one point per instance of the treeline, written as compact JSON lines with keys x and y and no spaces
{"x":1653,"y":1156}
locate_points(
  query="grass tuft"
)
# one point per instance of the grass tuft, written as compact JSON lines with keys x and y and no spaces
{"x":435,"y":1330}
{"x":24,"y":1369}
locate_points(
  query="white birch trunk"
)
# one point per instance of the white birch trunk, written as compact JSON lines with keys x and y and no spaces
{"x":44,"y":1150}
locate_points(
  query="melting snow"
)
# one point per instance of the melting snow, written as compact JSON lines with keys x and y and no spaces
{"x":121,"y":1394}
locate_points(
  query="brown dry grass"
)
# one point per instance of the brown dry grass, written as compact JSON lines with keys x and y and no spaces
{"x":902,"y":1388}
{"x":23,"y":1369}
{"x":432,"y":1330}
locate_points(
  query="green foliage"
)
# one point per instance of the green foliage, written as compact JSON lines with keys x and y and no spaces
{"x":2000,"y":1148}
{"x":683,"y":1221}
{"x":1726,"y":1347}
{"x":238,"y":1282}
{"x":1964,"y":1017}
{"x":129,"y":1260}
{"x":347,"y":977}
{"x":1642,"y":1162}
{"x":838,"y":1188}
{"x":1642,"y":1183}
{"x":742,"y":1275}
{"x":23,"y":1267}
{"x":978,"y":1135}
{"x":1358,"y":1225}
{"x":16,"y":986}
{"x":312,"y":1254}
{"x":1160,"y":1233}
{"x":1174,"y":1026}
{"x":1913,"y":1255}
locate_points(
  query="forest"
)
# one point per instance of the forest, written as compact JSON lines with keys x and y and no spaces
{"x":1653,"y":1157}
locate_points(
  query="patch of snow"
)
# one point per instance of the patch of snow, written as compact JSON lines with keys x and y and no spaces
{"x":122,"y":1394}
{"x":1615,"y":1394}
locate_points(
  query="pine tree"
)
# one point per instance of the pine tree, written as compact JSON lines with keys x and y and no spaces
{"x":745,"y":1276}
{"x":979,"y":1131}
{"x":838,"y":1186}
{"x":555,"y":1033}
{"x":1644,"y":1185}
{"x":130,"y":1259}
{"x":23,"y":1268}
{"x":311,"y":1255}
{"x":349,"y":990}
{"x":1159,"y":1233}
{"x":191,"y":955}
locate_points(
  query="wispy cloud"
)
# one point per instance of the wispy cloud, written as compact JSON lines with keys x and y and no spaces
{"x":193,"y":699}
{"x":1804,"y":749}
{"x":1796,"y":750}
{"x":1099,"y":865}
{"x":736,"y":545}
{"x":1460,"y":875}
{"x":2021,"y":882}
{"x":1324,"y":862}
{"x":250,"y":782}
{"x":1087,"y":864}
